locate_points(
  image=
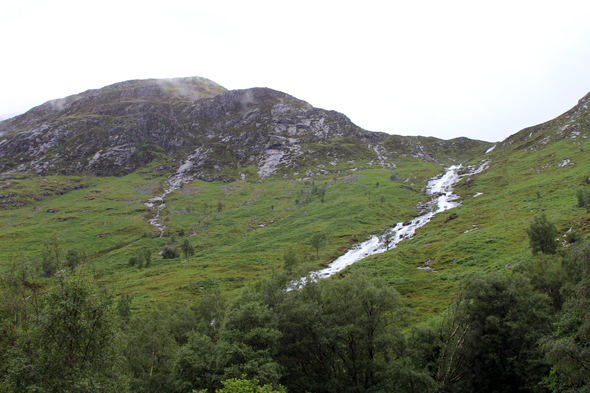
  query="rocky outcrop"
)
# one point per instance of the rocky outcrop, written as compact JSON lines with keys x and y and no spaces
{"x":125,"y":126}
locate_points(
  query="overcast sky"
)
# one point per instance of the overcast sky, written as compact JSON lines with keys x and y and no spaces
{"x":478,"y":69}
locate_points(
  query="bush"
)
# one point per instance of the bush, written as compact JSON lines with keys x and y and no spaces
{"x":290,"y":260}
{"x":170,"y":253}
{"x":187,"y":249}
{"x":72,"y":259}
{"x":572,"y":237}
{"x":542,"y":236}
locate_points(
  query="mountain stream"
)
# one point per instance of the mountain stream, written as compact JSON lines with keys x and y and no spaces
{"x":175,"y":182}
{"x":440,"y":189}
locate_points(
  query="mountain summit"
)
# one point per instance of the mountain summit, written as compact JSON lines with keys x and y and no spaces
{"x":126,"y":126}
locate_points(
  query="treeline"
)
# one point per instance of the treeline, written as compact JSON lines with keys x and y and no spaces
{"x":525,"y":331}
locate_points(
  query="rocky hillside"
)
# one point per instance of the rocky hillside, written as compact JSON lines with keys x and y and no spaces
{"x":195,"y":126}
{"x":572,"y":125}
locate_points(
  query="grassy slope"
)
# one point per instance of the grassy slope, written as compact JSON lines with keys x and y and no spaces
{"x":245,"y":240}
{"x":490,"y":230}
{"x":259,"y":221}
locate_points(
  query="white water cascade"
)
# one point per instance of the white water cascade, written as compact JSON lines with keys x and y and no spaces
{"x":440,"y":188}
{"x":174,"y":183}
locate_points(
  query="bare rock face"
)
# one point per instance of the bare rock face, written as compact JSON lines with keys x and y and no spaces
{"x":208,"y":131}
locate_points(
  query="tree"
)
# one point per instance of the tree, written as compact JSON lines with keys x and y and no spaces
{"x":542,"y":236}
{"x":250,"y":328}
{"x":143,"y":259}
{"x":151,"y":348}
{"x":209,"y":311}
{"x":200,"y":363}
{"x":289,"y":259}
{"x":219,"y":206}
{"x":345,"y":336}
{"x":72,"y":259}
{"x":53,"y":255}
{"x":572,"y":237}
{"x":187,"y":249}
{"x":244,"y":385}
{"x":246,"y":346}
{"x":487,"y":340}
{"x":124,"y":307}
{"x":568,"y":348}
{"x":20,"y":293}
{"x":170,"y":253}
{"x":72,"y":345}
{"x":146,"y":256}
{"x":317,"y":241}
{"x":547,"y":275}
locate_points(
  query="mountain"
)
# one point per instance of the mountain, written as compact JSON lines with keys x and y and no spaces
{"x":247,"y":175}
{"x":124,"y":127}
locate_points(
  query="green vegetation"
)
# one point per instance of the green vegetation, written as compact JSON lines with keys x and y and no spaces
{"x":542,"y":236}
{"x":501,"y":306}
{"x":107,"y":223}
{"x":65,"y":339}
{"x":317,"y":241}
{"x":523,"y":331}
{"x":290,"y":260}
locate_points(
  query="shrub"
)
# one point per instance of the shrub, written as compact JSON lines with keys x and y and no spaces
{"x":170,"y":253}
{"x":542,"y":236}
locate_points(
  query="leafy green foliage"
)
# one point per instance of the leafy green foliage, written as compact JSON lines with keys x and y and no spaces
{"x":487,"y":340}
{"x":72,"y":259}
{"x":317,"y":241}
{"x":542,"y":236}
{"x":152,"y":341}
{"x":141,"y":260}
{"x":548,"y":275}
{"x":187,"y":249}
{"x":290,"y":260}
{"x":569,"y":347}
{"x":124,"y":307}
{"x":53,"y":255}
{"x":170,"y":253}
{"x":345,"y":336}
{"x":243,"y":385}
{"x":20,"y":290}
{"x":482,"y":344}
{"x":71,"y":346}
{"x":572,"y":237}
